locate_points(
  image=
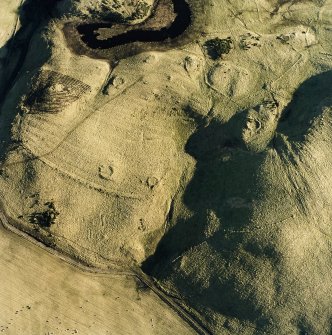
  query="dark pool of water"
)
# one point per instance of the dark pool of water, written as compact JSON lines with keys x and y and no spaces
{"x":182,"y":21}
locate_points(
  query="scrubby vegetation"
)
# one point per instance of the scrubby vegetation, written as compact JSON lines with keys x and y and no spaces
{"x":217,"y":47}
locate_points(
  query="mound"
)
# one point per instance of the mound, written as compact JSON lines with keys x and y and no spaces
{"x":201,"y":155}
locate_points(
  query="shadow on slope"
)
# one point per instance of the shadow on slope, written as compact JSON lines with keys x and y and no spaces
{"x":31,"y":14}
{"x":225,"y":186}
{"x":304,"y":107}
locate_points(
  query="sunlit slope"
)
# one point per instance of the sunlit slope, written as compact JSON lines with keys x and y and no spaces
{"x":208,"y":161}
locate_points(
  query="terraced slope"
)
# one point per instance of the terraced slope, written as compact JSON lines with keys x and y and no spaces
{"x":203,"y":158}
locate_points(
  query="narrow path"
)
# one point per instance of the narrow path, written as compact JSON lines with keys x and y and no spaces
{"x":116,"y":269}
{"x":179,"y":25}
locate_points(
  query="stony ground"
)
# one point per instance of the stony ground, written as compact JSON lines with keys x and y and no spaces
{"x":205,"y":159}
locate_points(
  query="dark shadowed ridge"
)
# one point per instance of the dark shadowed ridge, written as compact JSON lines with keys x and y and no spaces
{"x":31,"y":14}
